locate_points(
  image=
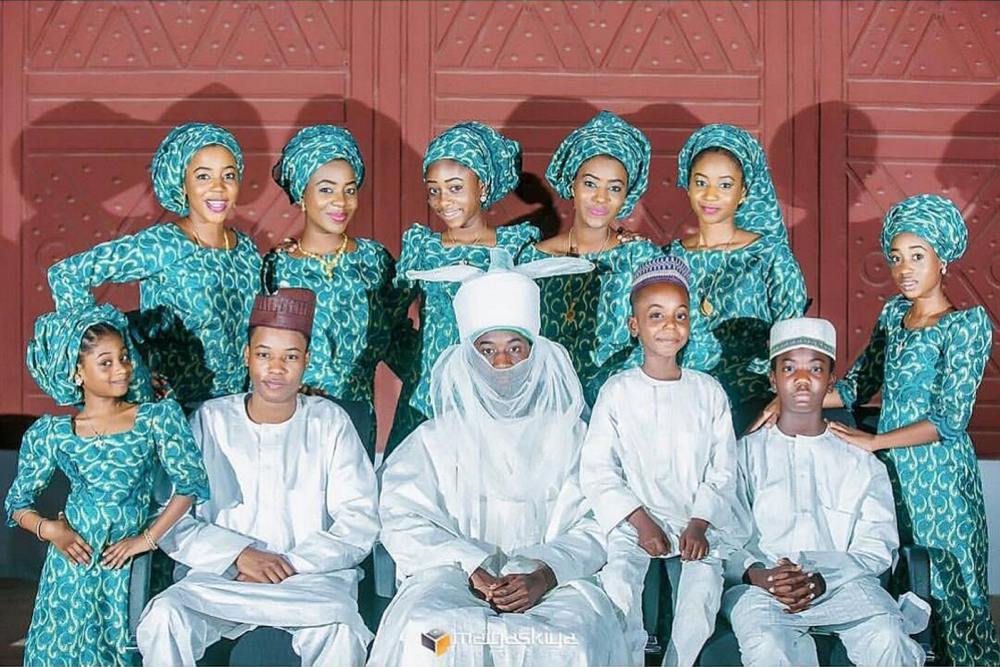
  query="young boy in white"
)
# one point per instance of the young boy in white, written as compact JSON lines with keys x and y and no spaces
{"x":824,"y":525}
{"x":659,"y":468}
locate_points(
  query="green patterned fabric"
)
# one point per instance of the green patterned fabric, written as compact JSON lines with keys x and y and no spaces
{"x":416,"y":354}
{"x":494,"y":158}
{"x":175,"y":152}
{"x":309,"y":150}
{"x":604,"y":134}
{"x":54,"y":350}
{"x":750,"y":289}
{"x":934,"y":219}
{"x":933,"y":373}
{"x":81,"y":611}
{"x":194,"y":304}
{"x":357,"y":312}
{"x":760,"y":213}
{"x":596,"y":335}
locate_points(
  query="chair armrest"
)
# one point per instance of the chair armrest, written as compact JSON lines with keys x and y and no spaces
{"x":138,"y":594}
{"x":917,"y":561}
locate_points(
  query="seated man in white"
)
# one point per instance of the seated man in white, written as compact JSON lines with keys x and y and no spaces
{"x":824,"y":525}
{"x":481,"y":506}
{"x":293,"y":512}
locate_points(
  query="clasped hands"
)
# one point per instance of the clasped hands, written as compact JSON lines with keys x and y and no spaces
{"x":512,"y":593}
{"x":692,"y":544}
{"x":262,"y":567}
{"x":788,"y":584}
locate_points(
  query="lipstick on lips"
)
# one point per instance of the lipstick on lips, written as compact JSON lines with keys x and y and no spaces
{"x":216,"y":205}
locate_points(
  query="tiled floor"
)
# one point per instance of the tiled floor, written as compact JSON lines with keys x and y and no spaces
{"x":17,"y":598}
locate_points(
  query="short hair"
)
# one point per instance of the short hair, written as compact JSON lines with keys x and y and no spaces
{"x":94,"y":333}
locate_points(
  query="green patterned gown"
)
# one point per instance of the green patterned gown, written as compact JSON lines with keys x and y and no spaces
{"x":357,"y":311}
{"x":588,"y":313}
{"x":422,"y":250}
{"x":749,"y":289}
{"x":81,"y":611}
{"x":933,"y":373}
{"x":194,"y":304}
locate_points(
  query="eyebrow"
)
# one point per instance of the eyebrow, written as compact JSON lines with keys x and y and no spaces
{"x":598,"y":178}
{"x":698,"y":173}
{"x":327,"y":180}
{"x":228,"y":166}
{"x":917,"y":246}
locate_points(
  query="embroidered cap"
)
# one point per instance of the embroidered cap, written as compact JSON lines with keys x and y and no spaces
{"x":813,"y":333}
{"x":289,"y":308}
{"x":668,"y":269}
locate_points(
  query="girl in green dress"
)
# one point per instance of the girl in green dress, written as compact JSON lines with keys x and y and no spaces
{"x":357,"y":307}
{"x":743,"y":274}
{"x":197,"y":278}
{"x":927,"y":358}
{"x":467,"y":168}
{"x":603,"y":166}
{"x":109,"y":452}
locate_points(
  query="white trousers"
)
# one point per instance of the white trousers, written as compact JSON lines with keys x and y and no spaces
{"x":696,"y":603}
{"x":170,"y":634}
{"x":769,"y":636}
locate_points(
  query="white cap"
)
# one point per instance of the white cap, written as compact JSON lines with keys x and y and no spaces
{"x":813,"y":333}
{"x":497,"y":300}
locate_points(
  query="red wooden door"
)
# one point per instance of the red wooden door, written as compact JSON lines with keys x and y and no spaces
{"x":857,"y":103}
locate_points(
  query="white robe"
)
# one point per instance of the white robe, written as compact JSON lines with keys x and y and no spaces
{"x":827,"y":506}
{"x":303,"y":489}
{"x":667,"y":446}
{"x":437,"y":543}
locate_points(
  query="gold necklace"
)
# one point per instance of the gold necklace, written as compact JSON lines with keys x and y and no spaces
{"x":197,"y":239}
{"x":328,"y":264}
{"x":571,"y":310}
{"x":454,"y":241}
{"x":706,"y":307}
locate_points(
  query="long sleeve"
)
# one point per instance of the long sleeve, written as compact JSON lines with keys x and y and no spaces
{"x":716,"y":499}
{"x":351,"y":500}
{"x":786,"y":287}
{"x":602,"y":475}
{"x":966,"y":352}
{"x":35,"y":465}
{"x":200,"y":544}
{"x":574,"y":543}
{"x":127,"y":258}
{"x":394,"y":299}
{"x":178,"y":452}
{"x":874,"y":538}
{"x":417,"y":530}
{"x":865,"y":377}
{"x":740,"y":560}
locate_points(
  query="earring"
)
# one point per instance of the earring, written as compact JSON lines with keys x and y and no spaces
{"x":302,"y":205}
{"x":482,"y":199}
{"x":78,"y":381}
{"x":944,"y":268}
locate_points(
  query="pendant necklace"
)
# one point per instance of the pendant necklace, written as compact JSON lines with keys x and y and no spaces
{"x":571,"y":251}
{"x":328,"y":264}
{"x":455,"y":242}
{"x":706,"y":307}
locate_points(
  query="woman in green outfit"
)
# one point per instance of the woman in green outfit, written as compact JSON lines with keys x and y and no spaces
{"x":927,"y":357}
{"x":603,"y":166}
{"x":467,"y":168}
{"x":357,"y":307}
{"x":197,"y":278}
{"x":109,"y":451}
{"x":743,"y":274}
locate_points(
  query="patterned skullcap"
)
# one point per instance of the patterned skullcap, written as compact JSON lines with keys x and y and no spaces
{"x":760,"y":213}
{"x":934,"y":219}
{"x":309,"y":150}
{"x":604,"y":134}
{"x":813,"y":333}
{"x":175,"y":152}
{"x":291,"y":308}
{"x":669,"y":269}
{"x":494,"y":158}
{"x":54,"y":350}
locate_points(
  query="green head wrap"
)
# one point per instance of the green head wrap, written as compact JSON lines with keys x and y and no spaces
{"x":174,"y":154}
{"x":309,"y":150}
{"x":494,"y":158}
{"x":760,"y":213}
{"x":604,"y":134}
{"x":934,"y":219}
{"x":55,"y":348}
